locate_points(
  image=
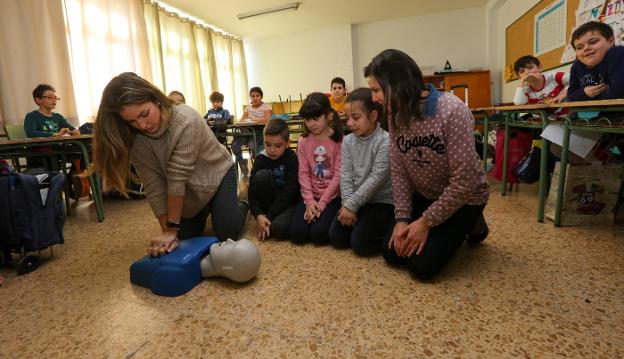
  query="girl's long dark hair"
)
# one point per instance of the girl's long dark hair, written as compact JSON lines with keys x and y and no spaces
{"x":364,"y":96}
{"x":315,"y":105}
{"x":402,"y":82}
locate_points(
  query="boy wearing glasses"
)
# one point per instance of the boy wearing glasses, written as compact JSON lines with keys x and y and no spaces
{"x":43,"y":122}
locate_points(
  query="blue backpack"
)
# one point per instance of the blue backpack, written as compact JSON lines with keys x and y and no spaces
{"x":31,"y":211}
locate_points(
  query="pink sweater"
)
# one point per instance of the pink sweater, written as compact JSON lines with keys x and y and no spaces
{"x":319,"y":170}
{"x":436,"y":158}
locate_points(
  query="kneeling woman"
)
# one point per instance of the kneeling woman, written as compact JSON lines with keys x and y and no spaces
{"x":187,"y":173}
{"x":439,"y":187}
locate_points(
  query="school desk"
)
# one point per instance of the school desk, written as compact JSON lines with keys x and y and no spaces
{"x":572,"y":122}
{"x":62,"y":145}
{"x":512,"y":119}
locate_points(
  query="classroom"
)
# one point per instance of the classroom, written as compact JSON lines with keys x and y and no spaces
{"x":312,"y":178}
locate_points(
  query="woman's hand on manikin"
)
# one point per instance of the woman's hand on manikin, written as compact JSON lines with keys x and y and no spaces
{"x":163,"y":243}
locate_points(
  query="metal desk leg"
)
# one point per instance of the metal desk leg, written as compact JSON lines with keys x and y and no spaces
{"x":505,"y":159}
{"x":544,"y":180}
{"x":95,"y":183}
{"x":485,"y":140}
{"x":562,"y":174}
{"x":543,"y":170}
{"x":66,"y":184}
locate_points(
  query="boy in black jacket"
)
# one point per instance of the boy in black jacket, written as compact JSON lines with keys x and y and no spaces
{"x":273,"y":185}
{"x":598,"y":72}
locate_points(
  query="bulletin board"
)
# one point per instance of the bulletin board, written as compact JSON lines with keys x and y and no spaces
{"x":520,"y":35}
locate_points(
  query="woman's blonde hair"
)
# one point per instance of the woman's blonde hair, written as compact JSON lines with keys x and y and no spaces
{"x":113,"y":137}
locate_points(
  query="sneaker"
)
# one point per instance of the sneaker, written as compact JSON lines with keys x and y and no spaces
{"x":479,"y":232}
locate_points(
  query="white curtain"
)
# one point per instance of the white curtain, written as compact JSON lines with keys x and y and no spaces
{"x":239,"y":68}
{"x":34,"y":50}
{"x":195,"y":60}
{"x":205,"y":52}
{"x":106,"y":37}
{"x":179,"y":58}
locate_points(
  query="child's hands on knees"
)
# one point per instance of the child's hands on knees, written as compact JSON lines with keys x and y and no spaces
{"x":313,"y":211}
{"x":264,"y":227}
{"x":346,"y":217}
{"x":416,"y":236}
{"x":398,"y":237}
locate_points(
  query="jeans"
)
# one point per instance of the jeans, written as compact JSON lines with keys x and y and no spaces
{"x":228,"y":214}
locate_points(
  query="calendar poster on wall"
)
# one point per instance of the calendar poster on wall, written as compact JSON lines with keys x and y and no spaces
{"x":550,"y":28}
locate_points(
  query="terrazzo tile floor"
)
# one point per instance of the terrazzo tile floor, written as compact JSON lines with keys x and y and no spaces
{"x":530,"y":290}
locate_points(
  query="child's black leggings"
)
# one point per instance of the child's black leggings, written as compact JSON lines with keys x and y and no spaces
{"x":443,"y":240}
{"x":318,"y":231}
{"x":374,"y":225}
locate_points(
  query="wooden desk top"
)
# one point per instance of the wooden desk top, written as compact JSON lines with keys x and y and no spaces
{"x":598,"y":103}
{"x":538,"y":106}
{"x":26,"y":141}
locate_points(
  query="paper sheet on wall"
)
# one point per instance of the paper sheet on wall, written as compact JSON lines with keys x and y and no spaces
{"x":614,"y":17}
{"x":585,"y":5}
{"x":550,"y":27}
{"x":568,"y":54}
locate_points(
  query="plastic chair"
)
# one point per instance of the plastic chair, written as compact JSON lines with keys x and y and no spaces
{"x":15,"y":132}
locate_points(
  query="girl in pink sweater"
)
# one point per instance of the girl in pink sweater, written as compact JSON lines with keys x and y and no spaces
{"x":319,"y":153}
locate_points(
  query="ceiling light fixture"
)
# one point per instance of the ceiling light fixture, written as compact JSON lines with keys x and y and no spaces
{"x":245,"y":15}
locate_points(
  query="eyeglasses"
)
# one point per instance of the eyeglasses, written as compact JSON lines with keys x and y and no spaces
{"x":52,"y":98}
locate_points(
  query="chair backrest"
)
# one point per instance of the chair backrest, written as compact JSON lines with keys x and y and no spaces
{"x":15,"y":132}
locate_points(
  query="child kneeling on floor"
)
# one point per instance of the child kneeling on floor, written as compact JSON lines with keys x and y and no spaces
{"x":318,"y":151}
{"x":273,"y":185}
{"x":366,"y":217}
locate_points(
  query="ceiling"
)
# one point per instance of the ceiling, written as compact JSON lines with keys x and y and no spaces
{"x":312,"y":14}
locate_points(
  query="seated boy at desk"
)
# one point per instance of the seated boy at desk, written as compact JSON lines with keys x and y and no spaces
{"x":536,"y":87}
{"x":257,"y":112}
{"x":598,"y":72}
{"x":217,"y":115}
{"x":43,"y":122}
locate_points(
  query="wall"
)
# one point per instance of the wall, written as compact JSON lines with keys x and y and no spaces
{"x":500,"y":14}
{"x":304,"y":62}
{"x":457,"y":36}
{"x":299,"y":62}
{"x":475,"y":38}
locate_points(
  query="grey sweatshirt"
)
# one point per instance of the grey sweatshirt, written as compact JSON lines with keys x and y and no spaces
{"x":183,"y":158}
{"x":365,"y":170}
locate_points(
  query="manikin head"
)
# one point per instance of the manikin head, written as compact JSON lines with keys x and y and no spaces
{"x":238,"y":261}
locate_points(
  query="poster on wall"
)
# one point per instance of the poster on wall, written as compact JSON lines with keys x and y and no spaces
{"x":589,"y":11}
{"x":550,"y":28}
{"x":614,"y":17}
